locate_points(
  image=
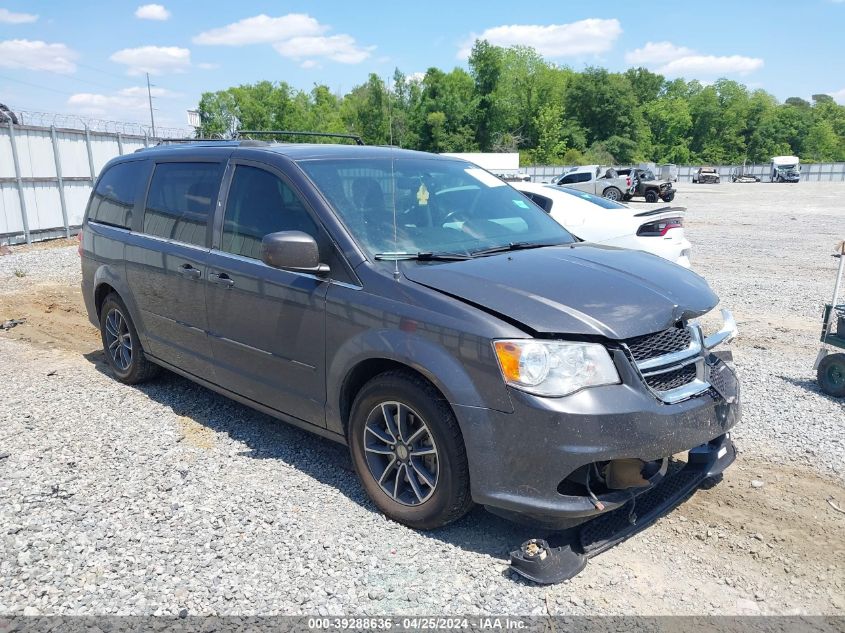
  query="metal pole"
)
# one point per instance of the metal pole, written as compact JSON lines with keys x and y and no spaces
{"x":58,"y":159}
{"x":90,"y":155}
{"x":146,"y":140}
{"x":150,"y":99}
{"x":21,"y":196}
{"x":120,"y":143}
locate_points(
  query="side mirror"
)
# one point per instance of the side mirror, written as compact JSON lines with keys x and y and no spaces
{"x":292,"y":250}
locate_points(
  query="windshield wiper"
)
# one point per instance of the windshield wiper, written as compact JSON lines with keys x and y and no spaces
{"x":423,"y":256}
{"x":513,"y":246}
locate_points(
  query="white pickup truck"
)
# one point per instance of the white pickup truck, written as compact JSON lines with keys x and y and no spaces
{"x":595,"y":179}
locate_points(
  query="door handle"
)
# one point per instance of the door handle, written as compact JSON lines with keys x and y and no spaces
{"x":186,"y":270}
{"x":221,"y":278}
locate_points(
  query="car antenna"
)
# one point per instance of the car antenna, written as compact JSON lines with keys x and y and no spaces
{"x":392,"y":183}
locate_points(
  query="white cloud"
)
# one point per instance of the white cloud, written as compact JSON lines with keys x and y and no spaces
{"x":37,"y":55}
{"x":676,"y":61}
{"x":656,"y":53}
{"x":152,"y":12}
{"x":839,"y":95}
{"x":262,"y":29}
{"x":7,"y":17}
{"x":296,"y":36}
{"x":155,"y":60}
{"x":415,"y":77}
{"x":710,"y":65}
{"x":584,"y":37}
{"x":339,"y":48}
{"x":116,"y":105}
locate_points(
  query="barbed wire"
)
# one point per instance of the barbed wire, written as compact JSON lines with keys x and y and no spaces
{"x":75,"y":121}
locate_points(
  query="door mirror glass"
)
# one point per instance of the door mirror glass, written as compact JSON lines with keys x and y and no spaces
{"x":292,"y":250}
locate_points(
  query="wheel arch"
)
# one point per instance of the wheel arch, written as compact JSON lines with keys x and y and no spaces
{"x":351,"y":368}
{"x":106,"y":280}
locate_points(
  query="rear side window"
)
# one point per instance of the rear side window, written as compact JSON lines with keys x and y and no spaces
{"x":261,"y":203}
{"x":115,"y":194}
{"x":181,"y":199}
{"x":571,"y":178}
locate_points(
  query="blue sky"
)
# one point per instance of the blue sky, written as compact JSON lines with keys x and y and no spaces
{"x":89,"y":58}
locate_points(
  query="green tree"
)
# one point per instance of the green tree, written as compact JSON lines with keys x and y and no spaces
{"x":485,"y":65}
{"x":550,"y":145}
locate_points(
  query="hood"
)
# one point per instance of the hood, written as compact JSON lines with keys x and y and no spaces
{"x":581,"y":289}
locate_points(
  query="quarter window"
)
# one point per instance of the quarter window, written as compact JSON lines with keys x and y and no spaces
{"x":115,"y":194}
{"x":260,"y":203}
{"x":181,"y":199}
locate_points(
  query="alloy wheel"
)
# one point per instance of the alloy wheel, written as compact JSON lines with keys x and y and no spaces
{"x":401,"y":453}
{"x":118,"y":339}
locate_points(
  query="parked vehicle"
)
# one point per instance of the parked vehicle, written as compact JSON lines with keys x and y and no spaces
{"x":786,"y":169}
{"x":595,"y":179}
{"x":830,"y":364}
{"x":706,"y":175}
{"x":601,"y":221}
{"x":645,"y":184}
{"x":739,"y":175}
{"x":464,"y":345}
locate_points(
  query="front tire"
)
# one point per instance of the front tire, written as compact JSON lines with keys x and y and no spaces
{"x":651,"y":196}
{"x":121,"y":345}
{"x":831,"y":375}
{"x":408,"y":451}
{"x":669,"y":197}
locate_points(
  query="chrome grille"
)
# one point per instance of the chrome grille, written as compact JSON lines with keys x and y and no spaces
{"x":670,"y":362}
{"x":648,"y":346}
{"x":673,"y":379}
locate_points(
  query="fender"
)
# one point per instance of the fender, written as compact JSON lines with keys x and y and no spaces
{"x":107,"y":274}
{"x":418,"y":353}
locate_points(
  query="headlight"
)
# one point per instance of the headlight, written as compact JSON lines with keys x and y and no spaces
{"x":554,"y":368}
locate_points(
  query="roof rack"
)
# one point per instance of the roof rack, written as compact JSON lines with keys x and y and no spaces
{"x":246,"y":133}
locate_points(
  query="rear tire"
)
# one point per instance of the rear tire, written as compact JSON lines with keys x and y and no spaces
{"x":651,"y":195}
{"x":612,"y":193}
{"x":121,"y":345}
{"x":831,"y":375}
{"x":408,"y":451}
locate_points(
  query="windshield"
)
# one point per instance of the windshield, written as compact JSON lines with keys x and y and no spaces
{"x":442,"y":206}
{"x":602,"y":202}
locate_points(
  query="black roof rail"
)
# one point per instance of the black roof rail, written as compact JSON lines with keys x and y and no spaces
{"x":242,"y":133}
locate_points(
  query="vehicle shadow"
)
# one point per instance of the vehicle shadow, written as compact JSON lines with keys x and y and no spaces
{"x":326,"y":461}
{"x":811,"y":386}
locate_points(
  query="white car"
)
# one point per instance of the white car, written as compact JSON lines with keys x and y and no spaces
{"x":595,"y":219}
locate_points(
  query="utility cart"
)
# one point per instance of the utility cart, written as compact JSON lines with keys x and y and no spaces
{"x":830,"y":366}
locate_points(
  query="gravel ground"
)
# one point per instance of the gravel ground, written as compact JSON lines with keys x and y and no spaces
{"x":169,"y":498}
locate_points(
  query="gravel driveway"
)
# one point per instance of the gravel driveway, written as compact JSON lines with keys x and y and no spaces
{"x":169,"y":498}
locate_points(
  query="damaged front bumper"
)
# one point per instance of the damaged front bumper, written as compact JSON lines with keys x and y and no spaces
{"x":543,"y":564}
{"x":557,"y":462}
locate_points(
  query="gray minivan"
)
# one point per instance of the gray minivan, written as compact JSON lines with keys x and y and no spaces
{"x":464,"y":345}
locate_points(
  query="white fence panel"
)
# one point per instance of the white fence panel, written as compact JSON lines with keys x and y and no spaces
{"x":10,"y":209}
{"x":76,"y":196}
{"x":103,"y":149}
{"x":43,"y":206}
{"x":7,"y":166}
{"x":35,"y":154}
